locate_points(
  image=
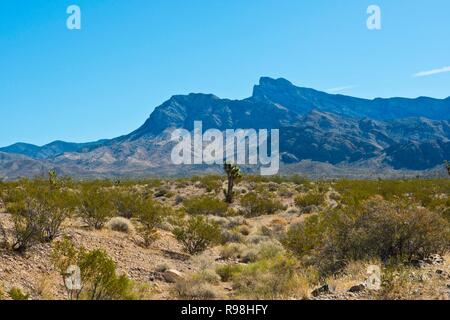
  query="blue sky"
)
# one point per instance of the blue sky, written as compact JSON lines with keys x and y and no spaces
{"x":131,"y":55}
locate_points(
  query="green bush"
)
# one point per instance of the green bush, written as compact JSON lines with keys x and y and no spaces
{"x":205,"y":206}
{"x":226,"y":272}
{"x":38,"y":211}
{"x":378,"y":229}
{"x":99,"y":280}
{"x":309,"y":199}
{"x":17,"y":294}
{"x":27,"y":225}
{"x":95,"y":206}
{"x":125,"y":204}
{"x":198,"y":234}
{"x":209,"y":182}
{"x":257,"y":204}
{"x":149,"y":214}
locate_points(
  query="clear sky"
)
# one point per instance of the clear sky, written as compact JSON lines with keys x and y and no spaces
{"x":131,"y":55}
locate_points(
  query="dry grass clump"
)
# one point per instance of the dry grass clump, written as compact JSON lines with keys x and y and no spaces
{"x":199,"y":286}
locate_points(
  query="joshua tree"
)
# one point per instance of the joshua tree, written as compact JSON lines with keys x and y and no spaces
{"x":447,"y":165}
{"x":52,"y":178}
{"x":233,"y":174}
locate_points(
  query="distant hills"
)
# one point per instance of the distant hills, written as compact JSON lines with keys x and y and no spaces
{"x":321,"y":134}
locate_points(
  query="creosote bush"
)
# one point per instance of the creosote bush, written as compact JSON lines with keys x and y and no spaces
{"x":149,"y":214}
{"x":205,"y":205}
{"x":38,"y":211}
{"x":378,"y":229}
{"x":96,"y":206}
{"x":257,"y":204}
{"x":198,"y":234}
{"x":99,"y":280}
{"x":309,"y":199}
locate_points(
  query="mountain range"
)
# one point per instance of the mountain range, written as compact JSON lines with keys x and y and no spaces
{"x":321,"y":134}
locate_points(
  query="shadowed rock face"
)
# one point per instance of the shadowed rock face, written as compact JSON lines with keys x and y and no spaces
{"x":410,"y":134}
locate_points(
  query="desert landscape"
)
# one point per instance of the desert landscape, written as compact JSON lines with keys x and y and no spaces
{"x":281,"y":237}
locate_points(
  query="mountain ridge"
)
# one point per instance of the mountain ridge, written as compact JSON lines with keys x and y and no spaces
{"x":403,"y":133}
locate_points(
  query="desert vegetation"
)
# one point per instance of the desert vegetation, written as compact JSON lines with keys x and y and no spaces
{"x":224,"y":237}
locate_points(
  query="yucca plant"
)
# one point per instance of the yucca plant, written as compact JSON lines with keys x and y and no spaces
{"x":233,"y":173}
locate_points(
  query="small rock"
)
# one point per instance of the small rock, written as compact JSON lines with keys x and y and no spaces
{"x":434,"y":259}
{"x":172,"y":276}
{"x":418,"y":263}
{"x":357,"y":288}
{"x":325,"y":289}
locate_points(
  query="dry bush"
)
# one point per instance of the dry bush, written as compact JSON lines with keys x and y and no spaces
{"x":231,"y":251}
{"x":196,"y":288}
{"x":120,"y":224}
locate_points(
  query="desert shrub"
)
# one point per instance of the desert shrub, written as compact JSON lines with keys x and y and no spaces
{"x":257,"y":238}
{"x":56,"y":205}
{"x":271,"y":279}
{"x":209,"y":182}
{"x":396,"y":284}
{"x":285,"y":193}
{"x":120,"y":224}
{"x":197,"y":234}
{"x":125,"y":204}
{"x":149,"y":214}
{"x":179,"y":199}
{"x":204,"y":205}
{"x":257,"y":204}
{"x":377,"y":229}
{"x":244,"y":230}
{"x":231,"y":236}
{"x":17,"y":294}
{"x":227,"y":271}
{"x":420,"y":191}
{"x":38,"y":211}
{"x":207,"y":275}
{"x":195,"y":289}
{"x":163,"y":192}
{"x":95,"y":206}
{"x":221,"y":221}
{"x":231,"y":251}
{"x":27,"y":225}
{"x":264,"y":250}
{"x":98,"y":271}
{"x":309,"y":199}
{"x":99,"y":280}
{"x":236,"y":221}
